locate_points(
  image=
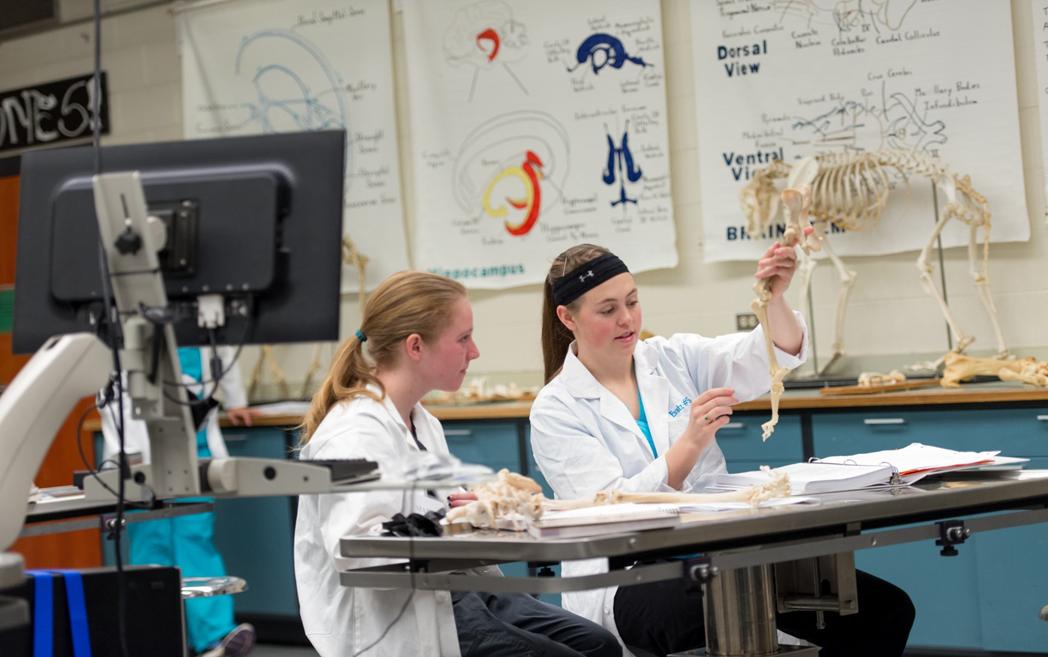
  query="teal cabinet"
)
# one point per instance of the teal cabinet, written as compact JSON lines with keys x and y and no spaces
{"x":740,"y":440}
{"x":494,"y":444}
{"x":1011,"y":575}
{"x":988,"y":597}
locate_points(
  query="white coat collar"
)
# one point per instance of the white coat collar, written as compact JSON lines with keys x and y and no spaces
{"x":419,"y":416}
{"x":581,"y":383}
{"x":577,"y":377}
{"x":654,"y":390}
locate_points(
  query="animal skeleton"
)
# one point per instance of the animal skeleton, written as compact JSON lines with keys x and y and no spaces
{"x":959,"y":367}
{"x":512,"y":498}
{"x":796,"y":199}
{"x":850,"y":190}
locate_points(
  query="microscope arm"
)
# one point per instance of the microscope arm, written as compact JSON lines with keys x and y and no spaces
{"x":32,"y":409}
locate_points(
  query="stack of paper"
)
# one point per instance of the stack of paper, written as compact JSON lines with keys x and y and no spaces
{"x":840,"y":473}
{"x":810,"y":478}
{"x":604,"y":519}
{"x":916,"y":461}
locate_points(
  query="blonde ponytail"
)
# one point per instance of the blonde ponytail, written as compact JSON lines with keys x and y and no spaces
{"x":405,"y":303}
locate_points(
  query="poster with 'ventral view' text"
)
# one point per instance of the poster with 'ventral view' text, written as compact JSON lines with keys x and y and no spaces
{"x":261,"y":66}
{"x":780,"y":80}
{"x":536,"y":125}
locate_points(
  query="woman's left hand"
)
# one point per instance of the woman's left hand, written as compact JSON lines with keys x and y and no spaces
{"x":777,"y":265}
{"x":243,"y":416}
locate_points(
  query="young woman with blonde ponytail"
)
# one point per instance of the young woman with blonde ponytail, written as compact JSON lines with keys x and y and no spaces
{"x":416,"y":336}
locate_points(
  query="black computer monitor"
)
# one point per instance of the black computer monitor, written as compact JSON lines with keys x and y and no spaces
{"x":257,"y":219}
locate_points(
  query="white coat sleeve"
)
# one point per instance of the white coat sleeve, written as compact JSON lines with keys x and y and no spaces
{"x":231,"y":385}
{"x":576,"y":463}
{"x":735,"y":360}
{"x":359,"y":514}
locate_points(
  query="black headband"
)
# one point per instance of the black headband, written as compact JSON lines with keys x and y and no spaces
{"x":582,"y":279}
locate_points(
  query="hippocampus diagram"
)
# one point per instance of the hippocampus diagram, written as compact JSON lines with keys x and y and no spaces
{"x":602,"y":50}
{"x":512,"y":167}
{"x":621,"y":167}
{"x":528,"y":173}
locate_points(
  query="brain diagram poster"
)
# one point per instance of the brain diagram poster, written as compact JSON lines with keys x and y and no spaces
{"x":781,"y":79}
{"x":293,"y":65}
{"x":536,"y":125}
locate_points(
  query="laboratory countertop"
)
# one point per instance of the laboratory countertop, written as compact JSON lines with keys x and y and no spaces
{"x":793,"y":400}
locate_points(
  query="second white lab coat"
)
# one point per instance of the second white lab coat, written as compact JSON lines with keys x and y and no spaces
{"x":340,"y":620}
{"x":136,"y":438}
{"x":585,"y":439}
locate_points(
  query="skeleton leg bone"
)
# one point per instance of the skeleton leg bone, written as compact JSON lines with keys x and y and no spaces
{"x":961,"y":339}
{"x":981,"y":276}
{"x":847,"y":280}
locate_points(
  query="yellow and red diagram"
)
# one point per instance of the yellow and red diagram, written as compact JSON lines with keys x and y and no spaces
{"x":519,"y":188}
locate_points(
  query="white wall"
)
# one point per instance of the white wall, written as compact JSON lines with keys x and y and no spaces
{"x":889,"y":313}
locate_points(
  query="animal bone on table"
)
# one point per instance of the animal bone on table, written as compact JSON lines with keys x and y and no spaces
{"x":959,"y":367}
{"x":513,"y":497}
{"x":795,"y":199}
{"x":871,"y":379}
{"x":508,"y":495}
{"x":850,"y":191}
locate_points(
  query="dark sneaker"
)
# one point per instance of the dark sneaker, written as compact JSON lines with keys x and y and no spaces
{"x":239,"y":641}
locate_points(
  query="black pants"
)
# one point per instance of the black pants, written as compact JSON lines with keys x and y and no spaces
{"x":515,"y":624}
{"x":664,"y":617}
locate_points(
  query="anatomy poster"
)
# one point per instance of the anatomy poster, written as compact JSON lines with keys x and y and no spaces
{"x":782,"y":79}
{"x":537,"y":125}
{"x":1039,"y":25}
{"x":263,"y":66}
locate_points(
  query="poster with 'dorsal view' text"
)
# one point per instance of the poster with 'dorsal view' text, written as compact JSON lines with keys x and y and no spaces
{"x":781,"y":79}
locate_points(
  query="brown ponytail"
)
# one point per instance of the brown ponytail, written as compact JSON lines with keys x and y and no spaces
{"x":555,"y":336}
{"x":406,"y":302}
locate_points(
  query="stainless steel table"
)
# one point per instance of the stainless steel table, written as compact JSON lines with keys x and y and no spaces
{"x":730,"y":552}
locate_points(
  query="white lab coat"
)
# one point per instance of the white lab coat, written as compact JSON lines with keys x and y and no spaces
{"x":136,"y":439}
{"x":585,"y":439}
{"x":340,"y":620}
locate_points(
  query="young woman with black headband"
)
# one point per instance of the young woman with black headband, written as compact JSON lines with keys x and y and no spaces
{"x":618,"y":413}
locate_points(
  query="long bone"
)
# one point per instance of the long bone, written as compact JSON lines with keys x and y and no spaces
{"x":777,"y":486}
{"x":795,"y":200}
